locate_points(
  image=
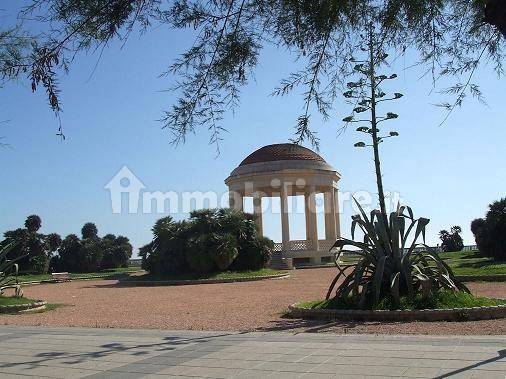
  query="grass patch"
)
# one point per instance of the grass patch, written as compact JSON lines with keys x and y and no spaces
{"x":461,"y":262}
{"x":105,"y":274}
{"x":49,"y":307}
{"x":214,"y":275}
{"x":473,"y":263}
{"x":8,"y":300}
{"x":440,"y":300}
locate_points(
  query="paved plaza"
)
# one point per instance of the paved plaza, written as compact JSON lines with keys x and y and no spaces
{"x":116,"y":353}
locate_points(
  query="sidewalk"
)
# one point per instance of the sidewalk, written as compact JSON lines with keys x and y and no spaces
{"x":115,"y":353}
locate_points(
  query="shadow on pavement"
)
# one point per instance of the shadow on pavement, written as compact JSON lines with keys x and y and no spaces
{"x":168,"y":344}
{"x":501,"y":354}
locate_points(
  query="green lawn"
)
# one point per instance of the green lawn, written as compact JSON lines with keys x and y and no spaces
{"x":473,"y":263}
{"x":440,"y":300}
{"x":214,"y":275}
{"x":462,"y":263}
{"x":106,"y":274}
{"x":7,"y":300}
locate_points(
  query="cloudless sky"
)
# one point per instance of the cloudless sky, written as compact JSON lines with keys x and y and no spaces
{"x":448,"y":174}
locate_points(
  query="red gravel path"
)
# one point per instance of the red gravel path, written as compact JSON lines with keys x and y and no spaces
{"x":233,"y":306}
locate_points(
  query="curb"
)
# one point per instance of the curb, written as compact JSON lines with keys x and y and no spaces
{"x":202,"y":281}
{"x":38,"y":304}
{"x":454,"y":314}
{"x":54,"y":281}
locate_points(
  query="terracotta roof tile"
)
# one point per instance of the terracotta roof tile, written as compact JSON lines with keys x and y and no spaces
{"x":281,"y":152}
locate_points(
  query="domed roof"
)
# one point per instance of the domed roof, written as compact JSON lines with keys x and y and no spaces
{"x":282,"y":157}
{"x":282,"y":152}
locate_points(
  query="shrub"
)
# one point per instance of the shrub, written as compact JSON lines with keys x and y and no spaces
{"x":116,"y":251}
{"x":89,"y":231}
{"x":166,"y":253}
{"x":254,"y":255}
{"x":70,"y":256}
{"x":198,"y":256}
{"x":451,"y":241}
{"x":92,"y":253}
{"x":223,"y":250}
{"x":33,"y":249}
{"x":490,"y":232}
{"x":212,"y":239}
{"x":33,"y":223}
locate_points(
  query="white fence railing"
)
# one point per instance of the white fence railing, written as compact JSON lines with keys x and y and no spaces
{"x":305,"y":245}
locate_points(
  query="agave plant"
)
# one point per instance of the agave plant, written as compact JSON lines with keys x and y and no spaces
{"x":8,"y":268}
{"x":391,"y":261}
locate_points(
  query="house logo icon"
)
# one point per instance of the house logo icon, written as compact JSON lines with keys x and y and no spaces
{"x":125,"y":182}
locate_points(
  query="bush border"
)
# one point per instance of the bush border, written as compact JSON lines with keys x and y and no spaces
{"x":202,"y":281}
{"x":37,"y":304}
{"x":453,"y":314}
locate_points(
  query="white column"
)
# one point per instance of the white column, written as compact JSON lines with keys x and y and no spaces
{"x":330,"y":215}
{"x":307,"y":213}
{"x":257,"y":211}
{"x":235,"y":200}
{"x":336,"y":212}
{"x":285,"y":226}
{"x":313,"y":224}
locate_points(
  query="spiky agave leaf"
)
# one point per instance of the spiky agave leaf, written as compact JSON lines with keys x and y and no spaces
{"x":8,"y":267}
{"x":386,"y":267}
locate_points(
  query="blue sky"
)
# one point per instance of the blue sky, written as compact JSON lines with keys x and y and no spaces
{"x":448,"y":174}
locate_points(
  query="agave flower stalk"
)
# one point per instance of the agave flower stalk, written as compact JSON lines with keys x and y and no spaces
{"x":367,"y":95}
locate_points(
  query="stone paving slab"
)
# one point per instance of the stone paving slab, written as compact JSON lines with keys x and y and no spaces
{"x":29,"y":352}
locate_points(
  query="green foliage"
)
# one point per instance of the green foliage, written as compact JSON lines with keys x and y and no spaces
{"x":33,"y":223}
{"x":451,"y":241}
{"x":166,"y":253}
{"x":473,"y":263}
{"x":443,"y":299}
{"x":451,"y":37}
{"x":392,"y":262}
{"x":92,"y":253}
{"x":490,"y":232}
{"x":8,"y":267}
{"x":254,"y":254}
{"x":198,"y":257}
{"x":35,"y":249}
{"x":4,"y":300}
{"x":212,"y":240}
{"x":224,"y":250}
{"x":229,"y":274}
{"x":70,"y":257}
{"x":89,"y":231}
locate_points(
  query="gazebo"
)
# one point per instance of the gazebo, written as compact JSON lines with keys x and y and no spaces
{"x":284,"y":170}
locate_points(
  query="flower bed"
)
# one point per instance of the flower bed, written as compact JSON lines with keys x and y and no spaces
{"x":454,"y":314}
{"x":30,"y":305}
{"x":179,"y":282}
{"x":441,"y":306}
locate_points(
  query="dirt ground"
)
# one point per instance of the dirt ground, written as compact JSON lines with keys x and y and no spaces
{"x":248,"y":306}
